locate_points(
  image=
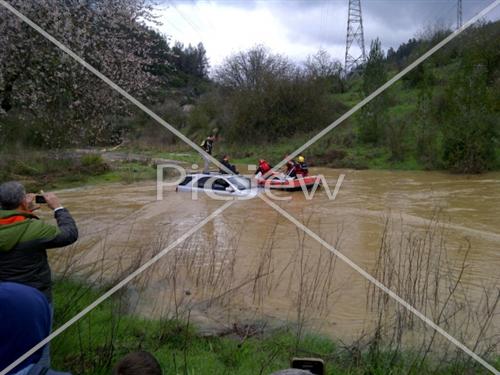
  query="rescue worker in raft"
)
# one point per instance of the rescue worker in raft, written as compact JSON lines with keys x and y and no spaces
{"x":263,"y":168}
{"x":301,"y":168}
{"x":290,"y":168}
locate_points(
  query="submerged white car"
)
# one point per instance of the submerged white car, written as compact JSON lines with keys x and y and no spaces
{"x":222,"y":184}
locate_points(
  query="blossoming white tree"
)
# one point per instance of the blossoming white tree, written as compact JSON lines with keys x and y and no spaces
{"x":66,"y":102}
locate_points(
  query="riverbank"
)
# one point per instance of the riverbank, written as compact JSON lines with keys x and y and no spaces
{"x":341,"y":157}
{"x":324,"y":153}
{"x":94,"y":344}
{"x":72,"y":168}
{"x":57,"y":170}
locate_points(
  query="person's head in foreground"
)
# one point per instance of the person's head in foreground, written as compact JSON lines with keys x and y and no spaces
{"x":13,"y":197}
{"x":292,"y":371}
{"x":24,"y":322}
{"x":138,"y":363}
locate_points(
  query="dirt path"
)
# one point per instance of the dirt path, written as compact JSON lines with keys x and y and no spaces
{"x":112,"y":156}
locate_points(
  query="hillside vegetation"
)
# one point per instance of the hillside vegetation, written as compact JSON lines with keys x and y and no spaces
{"x":443,"y":115}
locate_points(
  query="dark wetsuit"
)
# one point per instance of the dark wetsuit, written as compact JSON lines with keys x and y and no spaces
{"x":229,"y":166}
{"x":302,"y":169}
{"x":291,"y":169}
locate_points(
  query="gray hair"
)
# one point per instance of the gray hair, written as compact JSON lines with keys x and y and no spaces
{"x":292,"y":371}
{"x":12,"y":194}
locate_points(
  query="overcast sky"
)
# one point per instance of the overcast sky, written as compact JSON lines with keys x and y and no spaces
{"x":297,"y":28}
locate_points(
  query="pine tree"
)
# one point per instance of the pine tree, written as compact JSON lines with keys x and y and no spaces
{"x":470,"y":123}
{"x":426,"y":121}
{"x":374,"y":115}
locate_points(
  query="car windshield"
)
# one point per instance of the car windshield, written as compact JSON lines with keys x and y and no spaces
{"x":241,"y":183}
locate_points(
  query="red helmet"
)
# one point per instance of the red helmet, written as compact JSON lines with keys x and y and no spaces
{"x":261,"y":161}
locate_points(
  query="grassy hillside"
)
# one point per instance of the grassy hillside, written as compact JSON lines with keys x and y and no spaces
{"x":443,"y":115}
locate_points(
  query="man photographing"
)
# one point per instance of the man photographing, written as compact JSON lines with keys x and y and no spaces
{"x":24,"y":239}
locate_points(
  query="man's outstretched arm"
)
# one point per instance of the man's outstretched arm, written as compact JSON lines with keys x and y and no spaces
{"x":68,"y":232}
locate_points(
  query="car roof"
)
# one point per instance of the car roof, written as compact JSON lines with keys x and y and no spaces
{"x":204,"y":175}
{"x":199,"y":175}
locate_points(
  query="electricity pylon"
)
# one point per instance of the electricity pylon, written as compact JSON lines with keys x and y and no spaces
{"x":355,"y":37}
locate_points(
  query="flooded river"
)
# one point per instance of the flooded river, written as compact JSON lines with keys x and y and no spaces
{"x":250,"y":263}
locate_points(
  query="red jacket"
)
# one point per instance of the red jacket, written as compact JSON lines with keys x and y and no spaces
{"x":301,"y":169}
{"x":264,"y":167}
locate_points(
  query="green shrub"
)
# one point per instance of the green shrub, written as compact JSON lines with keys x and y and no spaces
{"x":93,"y":164}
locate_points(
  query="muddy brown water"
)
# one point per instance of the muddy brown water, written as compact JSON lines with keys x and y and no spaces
{"x":250,"y":263}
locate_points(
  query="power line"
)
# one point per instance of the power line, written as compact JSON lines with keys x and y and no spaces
{"x":172,"y":24}
{"x":459,"y":14}
{"x":207,"y":19}
{"x":321,"y":23}
{"x":193,"y":26}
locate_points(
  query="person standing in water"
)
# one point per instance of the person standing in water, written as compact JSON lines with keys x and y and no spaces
{"x":225,"y":162}
{"x":207,"y":145}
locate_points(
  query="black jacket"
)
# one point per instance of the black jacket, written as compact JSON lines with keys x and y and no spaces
{"x":23,"y":245}
{"x":208,"y":145}
{"x":229,"y":166}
